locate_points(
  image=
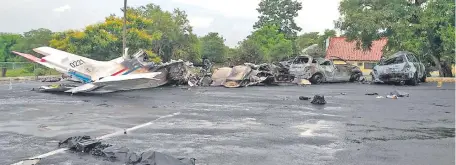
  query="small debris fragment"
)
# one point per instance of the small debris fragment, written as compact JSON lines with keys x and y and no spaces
{"x":304,"y":98}
{"x":380,"y":97}
{"x":319,"y":100}
{"x":104,"y":105}
{"x":356,"y":141}
{"x":125,"y":131}
{"x":399,"y":93}
{"x":86,"y":101}
{"x":391,"y":96}
{"x":343,"y":93}
{"x":440,"y":105}
{"x":371,"y":94}
{"x":154,"y":106}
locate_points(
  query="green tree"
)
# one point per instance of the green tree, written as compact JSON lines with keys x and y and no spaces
{"x":307,"y":39}
{"x":33,"y":39}
{"x":280,"y":13}
{"x":249,"y":51}
{"x":323,"y":38}
{"x":213,"y":47}
{"x":7,"y":41}
{"x":177,"y":40}
{"x":425,"y":27}
{"x":103,"y":41}
{"x":274,"y":44}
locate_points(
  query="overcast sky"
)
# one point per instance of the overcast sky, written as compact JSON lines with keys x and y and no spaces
{"x":231,"y":18}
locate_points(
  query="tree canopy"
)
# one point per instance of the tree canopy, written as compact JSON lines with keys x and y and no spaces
{"x":280,"y":13}
{"x":213,"y":47}
{"x":424,"y":27}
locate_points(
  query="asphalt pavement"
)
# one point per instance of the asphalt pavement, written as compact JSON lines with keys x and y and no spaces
{"x":248,"y":126}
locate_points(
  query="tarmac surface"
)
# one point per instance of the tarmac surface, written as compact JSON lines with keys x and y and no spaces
{"x":243,"y":126}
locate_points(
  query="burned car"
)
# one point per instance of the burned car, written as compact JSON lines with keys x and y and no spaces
{"x":323,"y":70}
{"x":401,"y":67}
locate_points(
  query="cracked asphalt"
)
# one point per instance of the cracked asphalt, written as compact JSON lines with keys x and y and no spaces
{"x":248,"y":126}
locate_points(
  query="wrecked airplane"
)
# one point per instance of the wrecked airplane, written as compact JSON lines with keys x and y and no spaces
{"x":318,"y":70}
{"x":123,"y":73}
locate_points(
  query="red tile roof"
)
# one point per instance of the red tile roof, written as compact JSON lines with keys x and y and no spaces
{"x":347,"y":50}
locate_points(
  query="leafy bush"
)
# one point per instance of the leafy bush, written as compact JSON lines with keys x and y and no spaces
{"x":39,"y":72}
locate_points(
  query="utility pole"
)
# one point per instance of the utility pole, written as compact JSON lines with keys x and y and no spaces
{"x":124,"y":39}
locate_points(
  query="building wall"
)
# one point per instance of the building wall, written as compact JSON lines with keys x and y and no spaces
{"x":364,"y":66}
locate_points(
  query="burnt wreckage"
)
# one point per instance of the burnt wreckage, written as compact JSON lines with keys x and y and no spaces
{"x":402,"y":67}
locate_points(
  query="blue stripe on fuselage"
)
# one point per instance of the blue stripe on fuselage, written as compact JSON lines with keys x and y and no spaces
{"x":80,"y":77}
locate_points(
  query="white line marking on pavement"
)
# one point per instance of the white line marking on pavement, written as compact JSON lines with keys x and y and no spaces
{"x":101,"y":137}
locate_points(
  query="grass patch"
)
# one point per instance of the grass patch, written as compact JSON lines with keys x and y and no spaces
{"x":24,"y":72}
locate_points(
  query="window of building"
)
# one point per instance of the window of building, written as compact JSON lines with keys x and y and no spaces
{"x":360,"y":64}
{"x":369,"y":65}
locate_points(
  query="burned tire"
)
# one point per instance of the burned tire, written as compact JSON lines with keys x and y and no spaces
{"x":423,"y":79}
{"x":316,"y":78}
{"x":414,"y":81}
{"x":355,"y":77}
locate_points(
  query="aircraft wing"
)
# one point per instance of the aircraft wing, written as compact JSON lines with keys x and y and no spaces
{"x":120,"y":82}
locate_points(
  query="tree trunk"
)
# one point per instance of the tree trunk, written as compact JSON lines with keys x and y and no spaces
{"x":445,"y":69}
{"x":4,"y":72}
{"x":437,"y":64}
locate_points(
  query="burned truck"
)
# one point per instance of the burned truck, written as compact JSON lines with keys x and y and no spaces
{"x":318,"y":70}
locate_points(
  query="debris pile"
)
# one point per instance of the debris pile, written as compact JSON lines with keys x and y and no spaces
{"x":319,"y":100}
{"x":85,"y":144}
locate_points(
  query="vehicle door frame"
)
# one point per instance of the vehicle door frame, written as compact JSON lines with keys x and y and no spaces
{"x":412,"y":58}
{"x":328,"y":71}
{"x":337,"y":74}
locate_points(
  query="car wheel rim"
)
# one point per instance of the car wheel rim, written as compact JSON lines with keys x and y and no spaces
{"x":318,"y":79}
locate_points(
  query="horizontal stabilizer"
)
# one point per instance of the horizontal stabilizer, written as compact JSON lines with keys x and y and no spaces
{"x":29,"y":56}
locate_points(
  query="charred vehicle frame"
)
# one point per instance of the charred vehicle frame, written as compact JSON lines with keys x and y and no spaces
{"x":402,"y":67}
{"x":318,"y":70}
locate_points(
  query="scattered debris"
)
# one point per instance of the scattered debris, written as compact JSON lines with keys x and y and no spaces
{"x":50,"y":79}
{"x":304,"y":98}
{"x":85,"y":144}
{"x":399,"y":93}
{"x":371,"y":94}
{"x":319,"y":99}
